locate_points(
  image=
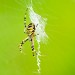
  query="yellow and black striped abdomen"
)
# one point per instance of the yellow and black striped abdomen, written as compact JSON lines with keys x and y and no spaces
{"x":30,"y":29}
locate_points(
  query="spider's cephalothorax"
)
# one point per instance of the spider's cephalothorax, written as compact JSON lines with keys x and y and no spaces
{"x":30,"y":31}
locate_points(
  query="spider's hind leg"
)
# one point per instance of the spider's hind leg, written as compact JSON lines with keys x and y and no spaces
{"x":33,"y":50}
{"x":32,"y":47}
{"x":21,"y":44}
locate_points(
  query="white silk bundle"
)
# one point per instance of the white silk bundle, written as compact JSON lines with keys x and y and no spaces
{"x":40,"y":23}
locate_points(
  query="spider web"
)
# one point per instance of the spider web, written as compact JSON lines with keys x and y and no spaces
{"x":40,"y":23}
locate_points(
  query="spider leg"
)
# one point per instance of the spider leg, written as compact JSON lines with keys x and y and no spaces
{"x":23,"y":41}
{"x":25,"y":20}
{"x":32,"y":46}
{"x":36,"y":34}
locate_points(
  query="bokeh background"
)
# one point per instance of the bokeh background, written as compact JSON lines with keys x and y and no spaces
{"x":59,"y":51}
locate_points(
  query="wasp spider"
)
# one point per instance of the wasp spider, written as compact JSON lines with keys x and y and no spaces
{"x":30,"y":31}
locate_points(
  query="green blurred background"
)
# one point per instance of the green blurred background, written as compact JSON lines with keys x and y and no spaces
{"x":59,"y":52}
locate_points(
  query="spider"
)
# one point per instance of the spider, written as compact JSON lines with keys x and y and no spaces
{"x":30,"y":31}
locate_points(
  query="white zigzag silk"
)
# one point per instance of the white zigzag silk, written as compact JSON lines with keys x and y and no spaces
{"x":39,"y":24}
{"x":40,"y":30}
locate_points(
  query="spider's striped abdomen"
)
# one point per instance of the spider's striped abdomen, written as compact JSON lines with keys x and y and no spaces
{"x":30,"y":29}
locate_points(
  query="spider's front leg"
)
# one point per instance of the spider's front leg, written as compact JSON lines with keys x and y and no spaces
{"x":21,"y":44}
{"x":25,"y":20}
